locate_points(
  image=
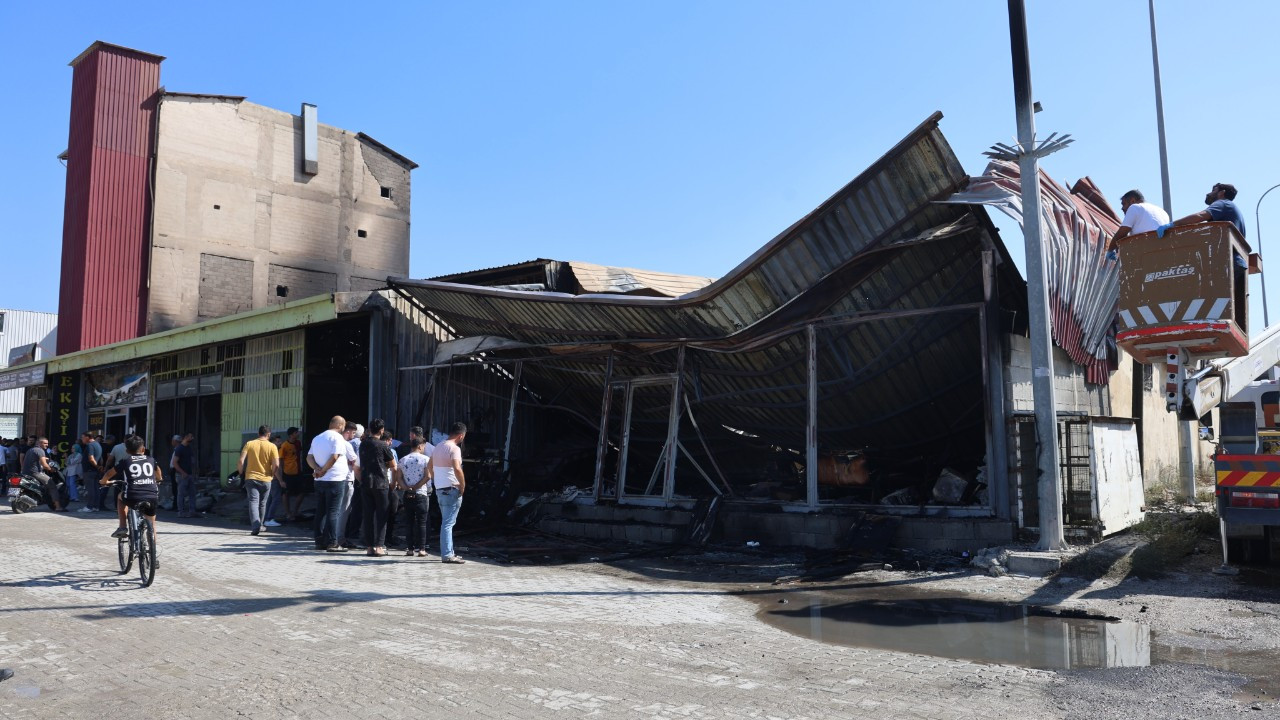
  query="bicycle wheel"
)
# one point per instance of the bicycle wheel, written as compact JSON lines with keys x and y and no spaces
{"x":146,"y":553}
{"x":124,"y":547}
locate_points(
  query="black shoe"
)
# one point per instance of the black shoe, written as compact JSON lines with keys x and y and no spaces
{"x":5,"y":674}
{"x":120,"y":533}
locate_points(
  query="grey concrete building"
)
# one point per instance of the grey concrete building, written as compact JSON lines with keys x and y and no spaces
{"x":248,"y":215}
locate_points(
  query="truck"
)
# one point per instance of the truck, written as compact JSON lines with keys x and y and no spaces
{"x":1184,"y":303}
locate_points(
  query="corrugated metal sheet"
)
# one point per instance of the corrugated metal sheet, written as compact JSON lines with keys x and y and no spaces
{"x":23,"y":327}
{"x":102,"y":298}
{"x":881,"y":246}
{"x":593,"y":278}
{"x":1084,"y":286}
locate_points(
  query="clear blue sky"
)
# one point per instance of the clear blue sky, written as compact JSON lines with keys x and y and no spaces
{"x":675,"y":136}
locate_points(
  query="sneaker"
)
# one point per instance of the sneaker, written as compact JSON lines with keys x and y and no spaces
{"x":120,"y":533}
{"x":422,"y":553}
{"x":86,"y":509}
{"x":453,"y":560}
{"x":272,"y":523}
{"x":335,"y":548}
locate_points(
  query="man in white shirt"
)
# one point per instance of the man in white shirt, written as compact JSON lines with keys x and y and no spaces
{"x":332,"y":462}
{"x":1139,"y":216}
{"x":445,"y":469}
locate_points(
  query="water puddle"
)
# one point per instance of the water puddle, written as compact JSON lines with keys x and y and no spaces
{"x":965,"y":628}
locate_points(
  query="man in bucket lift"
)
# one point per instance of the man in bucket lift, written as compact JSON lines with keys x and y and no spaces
{"x":1220,"y":208}
{"x":1139,"y":216}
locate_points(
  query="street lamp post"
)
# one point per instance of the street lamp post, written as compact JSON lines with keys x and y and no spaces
{"x":1257,"y":229}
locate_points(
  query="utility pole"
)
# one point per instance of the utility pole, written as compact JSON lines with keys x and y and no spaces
{"x":1164,"y":152}
{"x":1028,"y":156}
{"x":1187,"y":435}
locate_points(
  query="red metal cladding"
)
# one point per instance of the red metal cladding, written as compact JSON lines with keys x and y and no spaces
{"x":106,"y":224}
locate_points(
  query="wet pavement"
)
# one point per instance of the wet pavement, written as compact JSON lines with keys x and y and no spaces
{"x":964,"y":628}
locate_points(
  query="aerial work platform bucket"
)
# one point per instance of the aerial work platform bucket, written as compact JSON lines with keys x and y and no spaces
{"x":1183,"y":292}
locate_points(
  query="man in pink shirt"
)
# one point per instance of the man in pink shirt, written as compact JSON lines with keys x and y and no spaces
{"x":445,"y":469}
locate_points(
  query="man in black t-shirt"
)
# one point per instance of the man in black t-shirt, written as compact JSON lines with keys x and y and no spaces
{"x":377,"y":469}
{"x":141,"y":476}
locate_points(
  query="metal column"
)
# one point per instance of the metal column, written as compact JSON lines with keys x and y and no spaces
{"x":811,"y":426}
{"x":1187,"y":433}
{"x":1050,"y":487}
{"x":673,"y":428}
{"x":602,"y":445}
{"x":511,"y":416}
{"x":993,"y":378}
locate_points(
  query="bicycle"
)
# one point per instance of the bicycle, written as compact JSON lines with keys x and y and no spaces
{"x":139,"y":543}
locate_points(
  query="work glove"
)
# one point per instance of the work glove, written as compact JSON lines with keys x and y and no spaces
{"x":1160,"y":231}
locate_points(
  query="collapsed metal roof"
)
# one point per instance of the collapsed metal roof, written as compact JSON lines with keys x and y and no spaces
{"x":892,"y":280}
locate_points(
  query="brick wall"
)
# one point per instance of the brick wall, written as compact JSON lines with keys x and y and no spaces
{"x":362,"y":283}
{"x":300,"y":283}
{"x":223,"y":283}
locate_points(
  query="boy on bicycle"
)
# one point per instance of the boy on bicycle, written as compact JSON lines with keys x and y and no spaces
{"x":140,"y":474}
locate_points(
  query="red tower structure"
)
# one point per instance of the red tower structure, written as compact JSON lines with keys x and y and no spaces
{"x":106,"y":230}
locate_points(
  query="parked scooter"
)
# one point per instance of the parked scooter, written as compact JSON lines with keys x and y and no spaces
{"x":26,"y":492}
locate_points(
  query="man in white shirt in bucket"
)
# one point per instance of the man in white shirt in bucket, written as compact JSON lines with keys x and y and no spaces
{"x":1139,"y":216}
{"x":445,"y":468}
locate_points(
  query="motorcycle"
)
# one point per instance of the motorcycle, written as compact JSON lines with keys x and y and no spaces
{"x":26,"y":492}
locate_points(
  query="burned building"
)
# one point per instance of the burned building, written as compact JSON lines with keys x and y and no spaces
{"x":859,"y":359}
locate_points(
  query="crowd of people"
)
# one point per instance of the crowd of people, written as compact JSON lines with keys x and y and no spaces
{"x":363,"y":478}
{"x":363,"y":481}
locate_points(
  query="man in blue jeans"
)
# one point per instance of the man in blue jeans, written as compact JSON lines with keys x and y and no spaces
{"x":184,"y":461}
{"x":331,"y":459}
{"x":91,"y":468}
{"x":445,"y":467}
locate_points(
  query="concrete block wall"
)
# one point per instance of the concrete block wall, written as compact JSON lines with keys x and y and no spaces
{"x":298,"y":283}
{"x":770,"y":527}
{"x":224,"y":284}
{"x":228,"y":182}
{"x":953,"y":534}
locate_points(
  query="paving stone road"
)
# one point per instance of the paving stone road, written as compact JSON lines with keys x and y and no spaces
{"x":263,"y":627}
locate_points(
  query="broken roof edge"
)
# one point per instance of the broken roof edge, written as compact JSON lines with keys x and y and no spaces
{"x":720,"y":284}
{"x":201,"y":96}
{"x":394,"y":155}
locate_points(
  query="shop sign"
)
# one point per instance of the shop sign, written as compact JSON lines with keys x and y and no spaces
{"x":25,"y":377}
{"x":117,"y":386}
{"x":65,"y":404}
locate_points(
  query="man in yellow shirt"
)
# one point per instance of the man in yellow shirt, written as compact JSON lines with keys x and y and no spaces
{"x":259,"y":465}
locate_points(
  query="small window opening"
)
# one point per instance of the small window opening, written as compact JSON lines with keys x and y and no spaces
{"x":361,"y":233}
{"x":386,"y":191}
{"x":217,"y":207}
{"x":282,"y":291}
